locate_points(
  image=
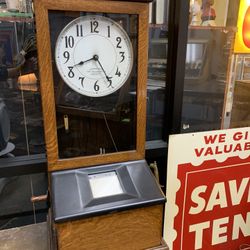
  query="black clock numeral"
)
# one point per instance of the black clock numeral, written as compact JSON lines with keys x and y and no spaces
{"x":71,"y":74}
{"x":110,"y":81}
{"x":122,"y":56}
{"x":69,"y":42}
{"x":66,"y":55}
{"x":108,"y":31}
{"x":118,"y":39}
{"x":79,"y":30}
{"x":94,"y":26}
{"x":118,"y":73}
{"x":81,"y":79}
{"x":96,"y":86}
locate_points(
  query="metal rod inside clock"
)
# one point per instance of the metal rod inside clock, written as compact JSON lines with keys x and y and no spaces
{"x":112,"y":138}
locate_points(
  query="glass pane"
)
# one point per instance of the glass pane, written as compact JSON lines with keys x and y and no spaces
{"x":237,"y":107}
{"x":211,"y":37}
{"x":21,"y":126}
{"x":237,"y":100}
{"x":94,"y":116}
{"x":157,"y":64}
{"x":21,"y":123}
{"x":15,"y":198}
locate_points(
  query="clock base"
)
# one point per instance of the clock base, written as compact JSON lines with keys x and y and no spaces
{"x":139,"y":228}
{"x":113,"y":206}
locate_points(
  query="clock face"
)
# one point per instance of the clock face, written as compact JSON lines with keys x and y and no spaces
{"x":94,"y":55}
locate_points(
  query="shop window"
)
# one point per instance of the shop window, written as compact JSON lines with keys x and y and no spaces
{"x":21,"y":123}
{"x":211,"y":37}
{"x":157,"y":64}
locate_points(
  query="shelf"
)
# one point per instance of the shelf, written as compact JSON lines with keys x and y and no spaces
{"x":159,"y":41}
{"x":222,"y":28}
{"x":156,"y":148}
{"x":162,"y":26}
{"x":81,"y":112}
{"x":7,"y":16}
{"x":158,"y":61}
{"x":243,"y":81}
{"x":155,"y":84}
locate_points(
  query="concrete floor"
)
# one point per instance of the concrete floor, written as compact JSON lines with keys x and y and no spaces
{"x":31,"y":237}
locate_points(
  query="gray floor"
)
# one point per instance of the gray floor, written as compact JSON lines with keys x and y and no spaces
{"x":31,"y":237}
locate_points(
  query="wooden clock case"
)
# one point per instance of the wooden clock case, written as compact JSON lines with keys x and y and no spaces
{"x":139,"y":228}
{"x":47,"y":85}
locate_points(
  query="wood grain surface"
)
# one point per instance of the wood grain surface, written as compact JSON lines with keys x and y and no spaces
{"x":130,"y":230}
{"x":47,"y":85}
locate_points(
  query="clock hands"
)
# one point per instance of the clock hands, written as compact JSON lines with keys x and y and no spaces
{"x":96,"y":58}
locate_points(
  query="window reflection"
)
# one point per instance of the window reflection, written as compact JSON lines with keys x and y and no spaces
{"x":211,"y":37}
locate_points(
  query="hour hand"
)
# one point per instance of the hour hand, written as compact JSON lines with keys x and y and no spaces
{"x":82,"y":62}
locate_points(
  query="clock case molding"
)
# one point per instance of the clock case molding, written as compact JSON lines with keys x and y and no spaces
{"x":47,"y":86}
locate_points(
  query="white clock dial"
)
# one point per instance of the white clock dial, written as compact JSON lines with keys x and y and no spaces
{"x":94,"y":55}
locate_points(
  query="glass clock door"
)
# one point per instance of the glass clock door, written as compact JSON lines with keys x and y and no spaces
{"x":94,"y":124}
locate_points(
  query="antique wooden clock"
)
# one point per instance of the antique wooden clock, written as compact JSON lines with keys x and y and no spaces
{"x":93,"y":73}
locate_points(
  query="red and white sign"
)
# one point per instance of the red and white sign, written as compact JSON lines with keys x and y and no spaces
{"x":208,"y":190}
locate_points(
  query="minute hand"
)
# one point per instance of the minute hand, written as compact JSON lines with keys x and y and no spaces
{"x":107,"y":77}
